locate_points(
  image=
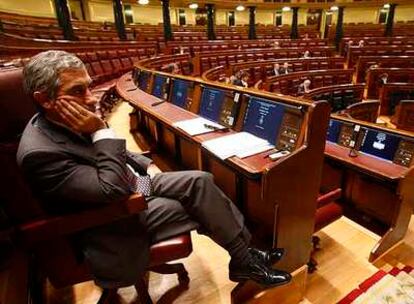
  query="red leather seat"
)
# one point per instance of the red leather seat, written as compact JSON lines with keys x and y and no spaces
{"x":328,"y":210}
{"x":92,"y":56}
{"x":126,"y":63}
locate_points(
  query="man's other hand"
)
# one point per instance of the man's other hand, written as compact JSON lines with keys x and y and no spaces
{"x":152,"y":170}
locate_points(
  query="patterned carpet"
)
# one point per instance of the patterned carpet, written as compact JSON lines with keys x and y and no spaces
{"x":393,"y":287}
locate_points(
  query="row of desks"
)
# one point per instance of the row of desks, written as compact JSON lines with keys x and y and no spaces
{"x":266,"y":191}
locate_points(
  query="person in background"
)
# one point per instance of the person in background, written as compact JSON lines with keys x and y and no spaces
{"x":276,"y":45}
{"x":361,"y":43}
{"x":304,"y":87}
{"x":245,"y":80}
{"x":276,"y":69}
{"x":306,"y":36}
{"x":172,"y":68}
{"x":73,"y":161}
{"x":236,"y":78}
{"x":285,"y":69}
{"x":348,"y":46}
{"x":232,"y":79}
{"x":306,"y":54}
{"x":383,"y":79}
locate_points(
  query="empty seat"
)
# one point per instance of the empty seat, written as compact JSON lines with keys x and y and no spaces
{"x":92,"y":56}
{"x":126,"y":63}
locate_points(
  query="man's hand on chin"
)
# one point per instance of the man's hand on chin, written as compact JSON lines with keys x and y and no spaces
{"x":77,"y":117}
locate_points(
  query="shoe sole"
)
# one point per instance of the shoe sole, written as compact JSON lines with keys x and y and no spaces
{"x":242,"y":279}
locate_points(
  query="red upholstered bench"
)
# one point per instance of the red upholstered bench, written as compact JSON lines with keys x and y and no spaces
{"x":327,"y":212}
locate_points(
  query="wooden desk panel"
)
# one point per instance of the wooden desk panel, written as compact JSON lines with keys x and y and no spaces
{"x":376,"y":193}
{"x":371,"y":165}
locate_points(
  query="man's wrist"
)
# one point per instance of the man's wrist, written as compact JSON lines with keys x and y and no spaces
{"x":104,"y":133}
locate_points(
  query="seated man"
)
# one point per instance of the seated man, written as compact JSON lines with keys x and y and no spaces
{"x":285,"y":69}
{"x":172,"y":68}
{"x":236,"y":78}
{"x":306,"y":54}
{"x":244,"y":80}
{"x":304,"y":87}
{"x":383,"y":79}
{"x":276,"y":69}
{"x":73,"y":161}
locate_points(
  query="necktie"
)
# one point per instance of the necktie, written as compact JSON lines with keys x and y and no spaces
{"x":139,"y":183}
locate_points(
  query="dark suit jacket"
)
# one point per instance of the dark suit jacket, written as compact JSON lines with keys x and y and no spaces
{"x":238,"y":82}
{"x":69,"y":173}
{"x":284,"y":71}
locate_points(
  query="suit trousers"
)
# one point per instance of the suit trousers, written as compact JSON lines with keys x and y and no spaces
{"x":182,"y":201}
{"x":187,"y":200}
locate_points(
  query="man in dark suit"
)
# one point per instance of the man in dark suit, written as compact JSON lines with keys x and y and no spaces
{"x":285,"y":69}
{"x":73,"y":161}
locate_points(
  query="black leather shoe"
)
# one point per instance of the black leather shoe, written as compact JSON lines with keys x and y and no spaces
{"x":258,"y":272}
{"x":269,"y":257}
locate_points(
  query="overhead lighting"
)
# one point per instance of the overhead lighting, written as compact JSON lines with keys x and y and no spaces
{"x":328,"y":12}
{"x":193,"y":5}
{"x":240,"y":8}
{"x":286,"y":9}
{"x":334,"y":8}
{"x":143,"y":2}
{"x":387,"y":5}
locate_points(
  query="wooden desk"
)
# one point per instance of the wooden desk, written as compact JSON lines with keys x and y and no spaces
{"x":365,"y":62}
{"x":392,"y":93}
{"x":377,"y":193}
{"x":394,"y":74}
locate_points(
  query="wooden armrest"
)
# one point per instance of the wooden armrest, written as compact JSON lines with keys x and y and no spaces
{"x":56,"y":226}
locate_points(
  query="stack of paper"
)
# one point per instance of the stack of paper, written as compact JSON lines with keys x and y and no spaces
{"x":241,"y":144}
{"x":197,"y":126}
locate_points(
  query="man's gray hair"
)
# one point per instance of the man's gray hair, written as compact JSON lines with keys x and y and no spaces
{"x":41,"y":73}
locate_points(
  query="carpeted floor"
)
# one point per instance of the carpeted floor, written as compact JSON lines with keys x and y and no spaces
{"x":384,"y":287}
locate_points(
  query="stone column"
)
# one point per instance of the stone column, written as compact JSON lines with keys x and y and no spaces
{"x":252,"y":22}
{"x":63,"y":17}
{"x":119,"y":19}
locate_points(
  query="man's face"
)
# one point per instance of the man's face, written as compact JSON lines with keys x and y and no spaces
{"x":76,"y":83}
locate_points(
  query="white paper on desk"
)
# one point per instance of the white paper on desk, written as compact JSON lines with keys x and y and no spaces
{"x":254,"y":150}
{"x":196,"y":126}
{"x":241,"y":144}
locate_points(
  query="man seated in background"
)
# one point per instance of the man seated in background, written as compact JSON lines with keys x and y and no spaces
{"x":304,"y":87}
{"x":236,"y":78}
{"x":244,"y":80}
{"x":73,"y":162}
{"x":172,"y":68}
{"x":306,"y":54}
{"x":276,"y":69}
{"x":285,"y":69}
{"x":383,"y":79}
